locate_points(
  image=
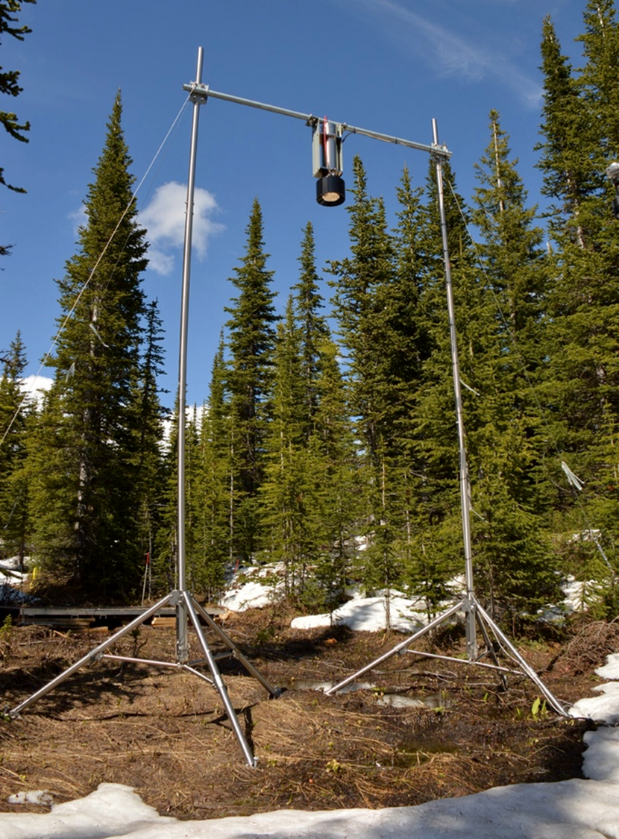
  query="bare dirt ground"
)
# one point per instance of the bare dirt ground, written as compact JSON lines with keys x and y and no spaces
{"x":164,"y":732}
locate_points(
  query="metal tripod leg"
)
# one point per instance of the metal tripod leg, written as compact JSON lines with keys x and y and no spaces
{"x":401,"y":646}
{"x":481,"y":616}
{"x":274,"y":691}
{"x":527,"y":670}
{"x":92,"y":655}
{"x":489,"y":646}
{"x":218,"y":681}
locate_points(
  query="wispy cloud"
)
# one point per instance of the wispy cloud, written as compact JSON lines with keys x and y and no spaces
{"x":448,"y":52}
{"x":164,"y":219}
{"x":79,"y":218}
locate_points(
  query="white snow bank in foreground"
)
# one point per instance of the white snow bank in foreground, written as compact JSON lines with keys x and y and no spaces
{"x":568,"y":810}
{"x":604,"y":708}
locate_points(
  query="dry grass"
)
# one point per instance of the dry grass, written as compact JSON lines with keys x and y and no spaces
{"x":164,"y":732}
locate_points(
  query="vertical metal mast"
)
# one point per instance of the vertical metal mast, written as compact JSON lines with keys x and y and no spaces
{"x":182,"y":646}
{"x":465,"y":487}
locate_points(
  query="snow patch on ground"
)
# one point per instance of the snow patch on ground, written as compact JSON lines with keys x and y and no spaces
{"x":254,"y":587}
{"x":258,"y":586}
{"x":574,"y":809}
{"x":370,"y":614}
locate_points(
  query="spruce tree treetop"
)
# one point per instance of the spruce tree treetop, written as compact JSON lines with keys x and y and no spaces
{"x":103,"y":278}
{"x":90,"y":504}
{"x":364,"y":306}
{"x":598,"y":80}
{"x":511,"y":242}
{"x":251,"y":329}
{"x":565,"y":162}
{"x":312,"y":325}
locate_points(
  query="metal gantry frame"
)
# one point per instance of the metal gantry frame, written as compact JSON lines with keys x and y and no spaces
{"x":188,"y":610}
{"x":475,"y":615}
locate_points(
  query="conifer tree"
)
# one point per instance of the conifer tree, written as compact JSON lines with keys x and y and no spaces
{"x":437,"y":547}
{"x":165,"y":561}
{"x":196,"y":576}
{"x":597,"y":81}
{"x":215,"y":491}
{"x":515,"y":270}
{"x":87,"y":528}
{"x":362,"y":304}
{"x":513,"y":561}
{"x":15,"y":419}
{"x":566,"y":133}
{"x":149,"y":429}
{"x":307,"y":499}
{"x":166,"y":548}
{"x":511,"y":247}
{"x":366,"y":308}
{"x":251,"y":342}
{"x":284,"y":495}
{"x":312,"y":326}
{"x":583,"y":373}
{"x":9,"y":84}
{"x":336,"y":488}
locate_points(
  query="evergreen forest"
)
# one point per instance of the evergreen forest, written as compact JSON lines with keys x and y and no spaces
{"x":327,"y":442}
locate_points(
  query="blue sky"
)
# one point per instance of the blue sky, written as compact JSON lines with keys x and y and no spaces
{"x":386,"y":65}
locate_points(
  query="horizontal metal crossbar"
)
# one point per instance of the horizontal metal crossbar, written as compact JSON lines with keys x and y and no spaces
{"x":205,"y":92}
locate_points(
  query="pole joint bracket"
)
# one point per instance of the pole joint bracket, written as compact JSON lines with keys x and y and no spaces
{"x":198,"y":93}
{"x":439,"y":152}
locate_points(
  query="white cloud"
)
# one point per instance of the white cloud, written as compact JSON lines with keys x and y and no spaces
{"x":164,"y":219}
{"x":34,"y":383}
{"x":36,"y":386}
{"x":448,"y":53}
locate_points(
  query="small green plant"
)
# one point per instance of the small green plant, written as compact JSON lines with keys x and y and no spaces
{"x":138,"y":641}
{"x":539,"y":709}
{"x":334,"y":766}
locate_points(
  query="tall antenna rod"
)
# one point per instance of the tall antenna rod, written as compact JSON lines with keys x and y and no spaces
{"x":182,"y":645}
{"x":465,"y":486}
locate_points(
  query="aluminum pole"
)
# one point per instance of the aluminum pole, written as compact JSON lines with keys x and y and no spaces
{"x":182,"y":644}
{"x":465,"y":491}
